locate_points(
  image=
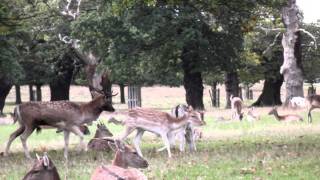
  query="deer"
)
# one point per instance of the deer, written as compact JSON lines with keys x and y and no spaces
{"x":186,"y":134}
{"x":65,"y":115}
{"x":285,"y":118}
{"x":124,"y":158}
{"x":313,"y":103}
{"x":159,"y":123}
{"x":236,"y":107}
{"x":97,"y":142}
{"x":43,"y":168}
{"x":114,"y":121}
{"x":252,"y":115}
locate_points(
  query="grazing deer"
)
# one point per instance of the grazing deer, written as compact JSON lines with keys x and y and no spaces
{"x":65,"y":115}
{"x":252,"y":115}
{"x":157,"y":122}
{"x":43,"y":169}
{"x":313,"y":103}
{"x":98,"y":143}
{"x":125,"y":157}
{"x":236,"y":107}
{"x":285,"y":118}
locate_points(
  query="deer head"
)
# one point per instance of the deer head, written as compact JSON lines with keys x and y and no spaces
{"x":194,"y":117}
{"x":102,"y":131}
{"x":42,"y":169}
{"x":103,"y":99}
{"x":126,"y":156}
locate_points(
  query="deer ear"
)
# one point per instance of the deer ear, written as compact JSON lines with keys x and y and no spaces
{"x":120,"y":145}
{"x":38,"y":157}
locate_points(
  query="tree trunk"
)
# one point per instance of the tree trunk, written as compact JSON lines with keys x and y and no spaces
{"x":60,"y":85}
{"x":247,"y":91}
{"x":39,"y":93}
{"x":5,"y":87}
{"x":31,"y":95}
{"x":18,"y":94}
{"x":270,"y":95}
{"x":122,"y":95}
{"x":214,"y":98}
{"x":194,"y":89}
{"x":232,"y":86}
{"x":291,"y":42}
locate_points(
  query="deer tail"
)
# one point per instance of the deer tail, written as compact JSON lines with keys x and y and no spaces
{"x":16,"y":114}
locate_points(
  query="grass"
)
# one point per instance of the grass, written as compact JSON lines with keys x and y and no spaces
{"x":265,"y":149}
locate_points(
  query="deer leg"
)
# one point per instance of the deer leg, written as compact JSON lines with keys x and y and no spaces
{"x":13,"y":136}
{"x":171,"y":138}
{"x":76,"y":130}
{"x":126,"y":133}
{"x":66,"y":144}
{"x":182,"y":139}
{"x":24,"y":136}
{"x":137,"y":140}
{"x":309,"y":114}
{"x":167,"y":143}
{"x":191,"y":139}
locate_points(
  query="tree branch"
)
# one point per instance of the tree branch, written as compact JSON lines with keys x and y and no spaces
{"x":310,"y":35}
{"x":268,"y":50}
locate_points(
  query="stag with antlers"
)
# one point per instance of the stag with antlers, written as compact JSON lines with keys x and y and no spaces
{"x":65,"y":115}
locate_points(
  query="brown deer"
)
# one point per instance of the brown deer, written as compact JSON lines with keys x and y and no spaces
{"x":160,"y":123}
{"x":313,"y":103}
{"x":285,"y":118}
{"x":43,"y":169}
{"x":65,"y":115}
{"x":236,"y":107}
{"x":124,"y":157}
{"x":98,"y":143}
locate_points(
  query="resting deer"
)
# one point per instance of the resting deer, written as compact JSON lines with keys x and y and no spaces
{"x":98,"y":143}
{"x":313,"y":103}
{"x":157,"y":122}
{"x":43,"y":169}
{"x":125,"y":157}
{"x":285,"y":118}
{"x":236,"y":107}
{"x":65,"y":115}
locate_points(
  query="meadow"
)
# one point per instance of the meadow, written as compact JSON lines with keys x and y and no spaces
{"x":265,"y":149}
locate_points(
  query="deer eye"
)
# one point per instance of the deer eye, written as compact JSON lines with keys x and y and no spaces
{"x":135,"y":153}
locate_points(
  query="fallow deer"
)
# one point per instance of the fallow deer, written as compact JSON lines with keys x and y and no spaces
{"x":98,"y":143}
{"x":43,"y":169}
{"x":124,"y":158}
{"x":297,"y":102}
{"x":313,"y":103}
{"x":236,"y":107}
{"x":159,"y":123}
{"x":64,"y":115}
{"x":186,"y":134}
{"x":285,"y":118}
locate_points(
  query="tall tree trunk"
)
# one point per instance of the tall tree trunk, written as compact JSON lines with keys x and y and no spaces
{"x":192,"y":79}
{"x":214,"y":95}
{"x":122,"y":95}
{"x":194,"y":89}
{"x":232,"y":86}
{"x":270,"y":95}
{"x":39,"y":93}
{"x":5,"y":87}
{"x":31,"y":95}
{"x":18,"y":94}
{"x":291,"y":42}
{"x":60,"y":85}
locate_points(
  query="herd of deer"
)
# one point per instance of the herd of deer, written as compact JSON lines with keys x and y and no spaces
{"x":69,"y":117}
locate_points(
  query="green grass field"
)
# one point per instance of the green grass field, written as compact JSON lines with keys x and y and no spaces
{"x":265,"y":149}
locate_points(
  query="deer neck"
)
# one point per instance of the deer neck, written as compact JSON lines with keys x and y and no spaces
{"x":119,"y":161}
{"x":92,"y":109}
{"x":176,"y":123}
